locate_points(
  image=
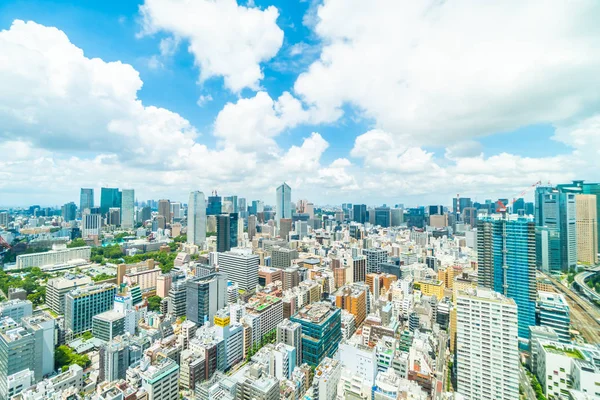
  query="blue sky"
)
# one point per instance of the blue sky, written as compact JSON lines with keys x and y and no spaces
{"x":407,"y":104}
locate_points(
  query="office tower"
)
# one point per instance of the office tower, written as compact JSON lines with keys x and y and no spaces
{"x":251,"y":226}
{"x":290,"y":333}
{"x":506,"y":256}
{"x":108,"y":325}
{"x":233,"y":201}
{"x":205,"y":296}
{"x":327,"y":376}
{"x":109,"y":198}
{"x":360,"y":213}
{"x":256,"y":384}
{"x":127,"y":208}
{"x":69,"y":212}
{"x":42,"y":327}
{"x":114,"y":216}
{"x":282,"y":257}
{"x":553,"y":312}
{"x":435,"y":210}
{"x":586,"y":226}
{"x":91,"y":225}
{"x":580,"y":187}
{"x":463,"y":202}
{"x":548,"y":252}
{"x":469,"y":216}
{"x":233,"y":230}
{"x":353,"y":298}
{"x":487,"y":347}
{"x":115,"y":358}
{"x":4,"y":218}
{"x":310,"y":210}
{"x":57,"y":288}
{"x":214,"y":205}
{"x":223,"y":233}
{"x":17,"y":347}
{"x":375,"y":257}
{"x":242,"y":208}
{"x":397,"y":216}
{"x":283,"y":201}
{"x":285,"y":227}
{"x":83,"y":303}
{"x":359,"y":268}
{"x":415,"y":218}
{"x":196,"y":231}
{"x":383,"y":217}
{"x":161,"y":380}
{"x":86,"y":199}
{"x":321,"y":331}
{"x":241,"y":267}
{"x":16,"y":309}
{"x":518,"y":206}
{"x":164,"y":209}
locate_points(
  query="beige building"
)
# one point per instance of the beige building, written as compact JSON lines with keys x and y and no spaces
{"x":438,"y":221}
{"x":586,"y":223}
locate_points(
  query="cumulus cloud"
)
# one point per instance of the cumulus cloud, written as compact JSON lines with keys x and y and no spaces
{"x":441,"y":72}
{"x":226,"y":39}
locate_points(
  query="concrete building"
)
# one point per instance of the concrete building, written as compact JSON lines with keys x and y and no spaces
{"x":353,"y":298}
{"x":374,"y":257}
{"x":587,"y":229}
{"x":290,"y":333}
{"x":257,"y":385}
{"x":241,"y":267}
{"x":16,"y":309}
{"x":164,"y":210}
{"x":108,"y":325}
{"x":161,"y":380}
{"x":127,"y":208}
{"x":17,"y":349}
{"x":58,"y":255}
{"x":553,"y":312}
{"x":487,"y":346}
{"x":91,"y":225}
{"x":83,"y":303}
{"x":282,"y":257}
{"x":205,"y":296}
{"x":327,"y":376}
{"x":43,"y":329}
{"x":267,"y":311}
{"x":57,"y":288}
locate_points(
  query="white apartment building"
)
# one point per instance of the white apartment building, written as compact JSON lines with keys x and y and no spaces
{"x":58,"y":255}
{"x":161,"y":381}
{"x":487,"y":346}
{"x":241,"y":267}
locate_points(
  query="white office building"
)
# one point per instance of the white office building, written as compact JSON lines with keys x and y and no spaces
{"x":161,"y":381}
{"x":241,"y":267}
{"x":91,"y":225}
{"x":487,"y":346}
{"x":284,"y":202}
{"x":58,"y":255}
{"x":196,"y":232}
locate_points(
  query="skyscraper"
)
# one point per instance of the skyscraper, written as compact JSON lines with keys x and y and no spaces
{"x":233,"y":230}
{"x":86,"y":199}
{"x":360,"y":213}
{"x":487,"y":346}
{"x":214,"y":205}
{"x":196,"y":232}
{"x":109,"y":198}
{"x":383,"y":217}
{"x":127,"y":208}
{"x":586,"y":221}
{"x":506,"y":252}
{"x":223,"y":233}
{"x":164,"y":209}
{"x":284,"y":202}
{"x":69,"y":212}
{"x":241,"y":267}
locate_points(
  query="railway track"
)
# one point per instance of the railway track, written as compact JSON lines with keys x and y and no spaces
{"x":584,"y":316}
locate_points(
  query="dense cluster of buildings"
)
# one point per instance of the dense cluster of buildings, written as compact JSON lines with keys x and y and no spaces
{"x":300,"y":302}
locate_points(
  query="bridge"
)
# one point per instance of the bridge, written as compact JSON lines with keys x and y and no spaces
{"x":580,"y":280}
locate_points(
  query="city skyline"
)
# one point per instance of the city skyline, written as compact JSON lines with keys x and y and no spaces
{"x":136,"y":98}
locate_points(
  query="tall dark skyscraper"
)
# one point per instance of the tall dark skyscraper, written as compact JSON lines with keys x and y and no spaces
{"x":223,"y":233}
{"x":382,"y":217}
{"x":86,"y":199}
{"x":109,"y":198}
{"x":360,"y":213}
{"x":233,"y":229}
{"x":214,"y":205}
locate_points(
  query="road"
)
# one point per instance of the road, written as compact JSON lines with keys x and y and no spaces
{"x":580,"y":280}
{"x":584,"y":317}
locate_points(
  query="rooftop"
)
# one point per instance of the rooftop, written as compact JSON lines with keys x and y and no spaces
{"x":89,"y":290}
{"x":315,"y":313}
{"x":109,"y":316}
{"x":564,"y":350}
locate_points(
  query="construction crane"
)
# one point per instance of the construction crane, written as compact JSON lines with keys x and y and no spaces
{"x":501,"y":207}
{"x":4,"y":243}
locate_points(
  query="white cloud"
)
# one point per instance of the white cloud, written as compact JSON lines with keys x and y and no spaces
{"x":438,"y":72}
{"x":203,"y":99}
{"x":226,"y":39}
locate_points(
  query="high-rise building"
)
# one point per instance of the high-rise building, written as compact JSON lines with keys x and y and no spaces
{"x":282,"y":257}
{"x":164,"y":209}
{"x":205,"y":296}
{"x":360,"y":213}
{"x":127,"y":208}
{"x":553,"y":312}
{"x":42,"y":327}
{"x":587,"y":188}
{"x":196,"y":232}
{"x":487,"y":346}
{"x":114,"y":216}
{"x":69,"y":212}
{"x":284,"y":202}
{"x":285,"y":227}
{"x":223,"y":233}
{"x":256,"y":207}
{"x":290,"y":333}
{"x":375,"y":256}
{"x":109,"y":198}
{"x":16,"y":309}
{"x":353,"y":298}
{"x":234,"y":225}
{"x":86,"y":199}
{"x":161,"y":380}
{"x":17,"y":347}
{"x":57,"y":288}
{"x":145,"y":214}
{"x":241,"y":267}
{"x":506,"y":256}
{"x":463,"y":202}
{"x":383,"y":217}
{"x":251,"y":226}
{"x":214,"y":205}
{"x":321,"y":331}
{"x":586,"y":224}
{"x":83,"y":303}
{"x":242,"y":208}
{"x":91,"y":225}
{"x":548,"y":252}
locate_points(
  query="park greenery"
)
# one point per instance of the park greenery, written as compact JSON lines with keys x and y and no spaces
{"x":594,"y":282}
{"x":270,"y":337}
{"x":537,"y":388}
{"x":79,"y":242}
{"x":154,"y":303}
{"x":32,"y":280}
{"x":114,"y":254}
{"x":102,"y":277}
{"x":65,"y":356}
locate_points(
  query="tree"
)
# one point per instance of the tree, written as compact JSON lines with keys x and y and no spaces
{"x":102,"y":277}
{"x":77,"y":243}
{"x":65,"y":356}
{"x":154,"y":303}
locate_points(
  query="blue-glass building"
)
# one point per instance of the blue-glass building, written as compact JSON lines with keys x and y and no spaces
{"x":359,"y":213}
{"x":321,"y":331}
{"x":214,"y":205}
{"x":506,"y":253}
{"x":109,"y":198}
